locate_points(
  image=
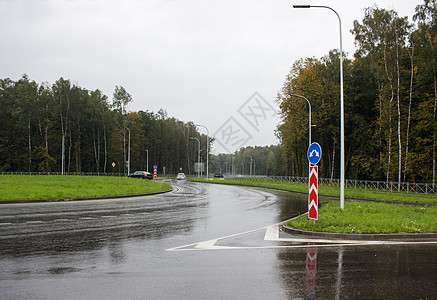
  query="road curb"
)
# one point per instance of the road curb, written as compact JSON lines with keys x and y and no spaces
{"x":410,"y":237}
{"x":80,"y":199}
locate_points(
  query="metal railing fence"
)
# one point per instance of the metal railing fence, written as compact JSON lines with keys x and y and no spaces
{"x":408,"y":187}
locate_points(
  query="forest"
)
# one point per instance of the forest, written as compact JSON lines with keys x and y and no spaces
{"x":67,"y":129}
{"x":390,"y":96}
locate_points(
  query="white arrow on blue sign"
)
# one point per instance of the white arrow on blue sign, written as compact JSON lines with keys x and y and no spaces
{"x":155,"y":167}
{"x":314,"y":153}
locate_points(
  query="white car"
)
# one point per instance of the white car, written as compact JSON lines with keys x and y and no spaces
{"x":180,"y":176}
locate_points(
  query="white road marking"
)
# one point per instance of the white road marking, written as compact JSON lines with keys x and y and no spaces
{"x":272,"y":234}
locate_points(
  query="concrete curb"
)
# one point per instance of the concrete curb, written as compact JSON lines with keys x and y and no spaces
{"x":411,"y":237}
{"x":80,"y":199}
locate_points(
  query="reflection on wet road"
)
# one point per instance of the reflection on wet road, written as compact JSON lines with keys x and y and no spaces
{"x":109,"y":249}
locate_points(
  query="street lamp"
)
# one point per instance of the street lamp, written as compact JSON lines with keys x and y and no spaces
{"x":147,"y":159}
{"x":309,"y":117}
{"x":128,"y":155}
{"x":342,"y":171}
{"x":198,"y":155}
{"x":207,"y":149}
{"x":250,"y":166}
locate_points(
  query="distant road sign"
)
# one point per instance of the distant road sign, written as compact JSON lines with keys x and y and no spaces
{"x":314,"y":153}
{"x":155,"y":167}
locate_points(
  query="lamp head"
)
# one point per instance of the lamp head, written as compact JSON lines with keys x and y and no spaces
{"x":301,"y":6}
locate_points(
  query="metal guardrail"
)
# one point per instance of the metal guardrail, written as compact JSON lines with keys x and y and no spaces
{"x":408,"y":187}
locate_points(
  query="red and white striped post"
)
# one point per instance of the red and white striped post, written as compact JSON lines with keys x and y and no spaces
{"x":313,"y":204}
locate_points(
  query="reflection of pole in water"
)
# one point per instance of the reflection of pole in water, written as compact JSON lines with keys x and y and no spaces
{"x":310,"y":284}
{"x":339,"y":273}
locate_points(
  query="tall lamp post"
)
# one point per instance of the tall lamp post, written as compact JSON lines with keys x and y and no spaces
{"x":309,"y":117}
{"x":147,"y":161}
{"x":198,"y":155}
{"x":207,"y":149}
{"x":342,"y":155}
{"x":128,"y":155}
{"x":250,"y":166}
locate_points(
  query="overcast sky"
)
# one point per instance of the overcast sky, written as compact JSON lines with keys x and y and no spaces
{"x":218,"y":63}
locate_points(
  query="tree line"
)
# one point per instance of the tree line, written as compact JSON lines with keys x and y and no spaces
{"x":258,"y":160}
{"x":65,"y":128}
{"x":390,"y":89}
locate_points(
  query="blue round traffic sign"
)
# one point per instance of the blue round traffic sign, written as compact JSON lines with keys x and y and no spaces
{"x":155,"y":167}
{"x":314,"y":153}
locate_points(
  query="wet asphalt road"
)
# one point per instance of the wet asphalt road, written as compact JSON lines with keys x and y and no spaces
{"x":157,"y":247}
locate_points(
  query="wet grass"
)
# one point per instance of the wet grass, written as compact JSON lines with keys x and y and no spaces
{"x":27,"y":187}
{"x":370,"y":218}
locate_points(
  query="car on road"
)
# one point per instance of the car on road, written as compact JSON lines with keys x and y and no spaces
{"x":180,"y":176}
{"x":218,"y":175}
{"x":141,"y":174}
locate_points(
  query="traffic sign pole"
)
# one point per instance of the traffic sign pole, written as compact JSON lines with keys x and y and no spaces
{"x":313,"y":208}
{"x":314,"y":156}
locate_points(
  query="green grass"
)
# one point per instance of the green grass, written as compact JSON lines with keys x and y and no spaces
{"x":27,"y":187}
{"x":335,"y":191}
{"x":364,"y":217}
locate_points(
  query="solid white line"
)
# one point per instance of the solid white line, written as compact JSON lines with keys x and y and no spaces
{"x":206,"y":245}
{"x":301,"y":246}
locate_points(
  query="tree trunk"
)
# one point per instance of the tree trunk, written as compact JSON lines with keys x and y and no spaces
{"x":333,"y":161}
{"x":434,"y":114}
{"x":389,"y":114}
{"x":409,"y":113}
{"x":398,"y":91}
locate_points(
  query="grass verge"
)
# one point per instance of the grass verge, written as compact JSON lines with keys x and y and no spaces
{"x":360,"y":217}
{"x":370,"y":218}
{"x":27,"y":187}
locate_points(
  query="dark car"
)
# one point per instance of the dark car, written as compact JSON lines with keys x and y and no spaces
{"x":218,"y":175}
{"x":141,"y":174}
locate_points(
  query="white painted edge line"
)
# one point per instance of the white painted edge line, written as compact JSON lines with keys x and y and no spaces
{"x":299,"y":246}
{"x":272,"y":234}
{"x":211,"y":244}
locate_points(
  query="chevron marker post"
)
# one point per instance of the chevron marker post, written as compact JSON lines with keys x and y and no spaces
{"x":313,"y":208}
